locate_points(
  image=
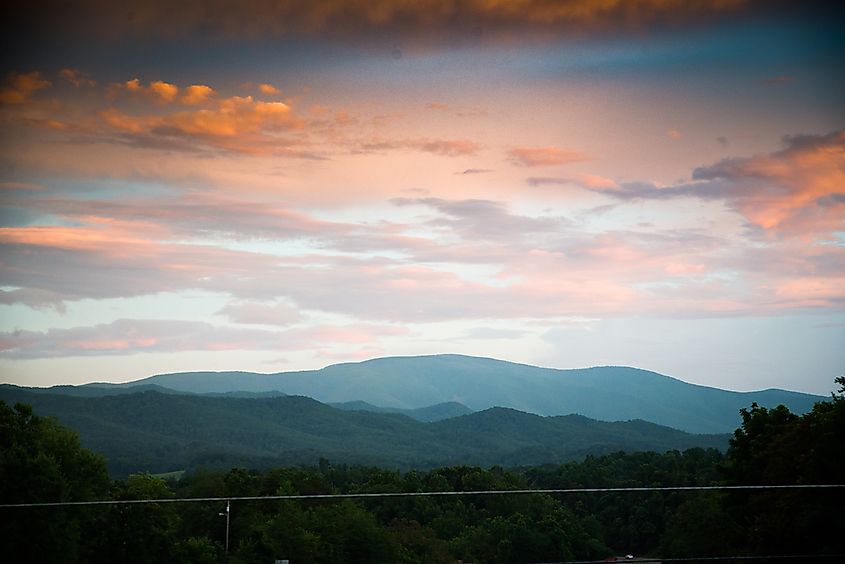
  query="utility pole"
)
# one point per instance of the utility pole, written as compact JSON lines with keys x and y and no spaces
{"x":228,"y":507}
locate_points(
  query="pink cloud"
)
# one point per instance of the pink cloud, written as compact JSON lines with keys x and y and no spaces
{"x":132,"y":336}
{"x":467,"y":171}
{"x":544,"y":156}
{"x":592,"y":181}
{"x":444,"y":147}
{"x":534,"y":265}
{"x":797,"y":191}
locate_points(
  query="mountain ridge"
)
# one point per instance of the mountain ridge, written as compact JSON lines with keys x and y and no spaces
{"x":608,"y":393}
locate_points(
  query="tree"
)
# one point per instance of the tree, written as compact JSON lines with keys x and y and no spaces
{"x":773,"y":447}
{"x":140,"y":532}
{"x":41,"y":461}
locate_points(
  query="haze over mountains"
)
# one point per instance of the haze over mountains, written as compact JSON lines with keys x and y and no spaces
{"x":609,"y":393}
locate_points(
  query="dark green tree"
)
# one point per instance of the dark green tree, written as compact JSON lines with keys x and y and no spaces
{"x":774,"y":447}
{"x":41,"y":461}
{"x":140,"y":532}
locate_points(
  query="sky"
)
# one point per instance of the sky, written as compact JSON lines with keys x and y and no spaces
{"x":272,"y":186}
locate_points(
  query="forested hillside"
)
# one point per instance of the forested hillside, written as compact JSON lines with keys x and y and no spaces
{"x":41,"y":461}
{"x":156,"y":432}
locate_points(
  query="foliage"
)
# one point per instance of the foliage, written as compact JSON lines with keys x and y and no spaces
{"x":774,"y":446}
{"x":43,"y":461}
{"x":156,"y":432}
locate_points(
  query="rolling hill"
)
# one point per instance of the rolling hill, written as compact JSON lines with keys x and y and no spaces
{"x":163,"y":432}
{"x":608,"y":393}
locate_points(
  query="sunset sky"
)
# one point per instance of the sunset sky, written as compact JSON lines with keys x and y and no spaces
{"x":272,"y":186}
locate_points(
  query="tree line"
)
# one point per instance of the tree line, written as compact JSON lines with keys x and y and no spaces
{"x":42,"y":461}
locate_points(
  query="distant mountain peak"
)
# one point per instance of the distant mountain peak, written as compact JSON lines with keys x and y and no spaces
{"x":412,"y":384}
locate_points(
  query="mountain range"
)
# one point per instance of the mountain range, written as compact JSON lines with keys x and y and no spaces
{"x":406,"y":412}
{"x":606,"y":393}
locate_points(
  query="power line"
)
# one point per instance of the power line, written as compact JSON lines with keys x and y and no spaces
{"x":711,"y":558}
{"x":421,"y":494}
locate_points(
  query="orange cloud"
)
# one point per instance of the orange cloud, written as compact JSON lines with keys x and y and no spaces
{"x":240,"y":124}
{"x":544,"y":156}
{"x":233,"y":116}
{"x":134,"y":86}
{"x":19,"y":87}
{"x":122,"y":122}
{"x":191,"y":118}
{"x":268,"y":89}
{"x":165,"y":92}
{"x":77,"y":78}
{"x":196,"y":94}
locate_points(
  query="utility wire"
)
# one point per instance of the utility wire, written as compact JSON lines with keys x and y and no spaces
{"x":421,"y":494}
{"x":708,"y":558}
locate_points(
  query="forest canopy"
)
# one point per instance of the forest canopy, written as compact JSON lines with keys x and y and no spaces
{"x":42,"y":461}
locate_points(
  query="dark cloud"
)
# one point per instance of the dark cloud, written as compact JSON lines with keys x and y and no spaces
{"x":458,"y":22}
